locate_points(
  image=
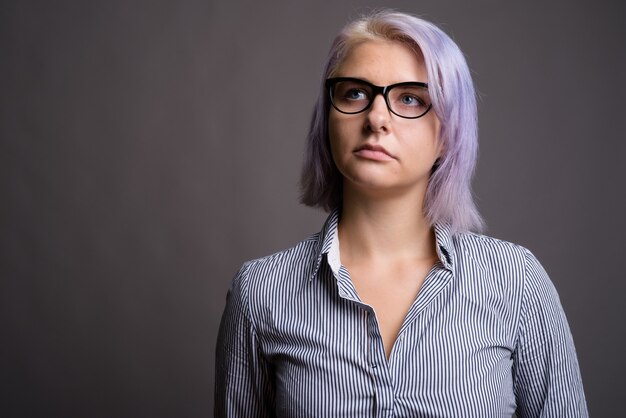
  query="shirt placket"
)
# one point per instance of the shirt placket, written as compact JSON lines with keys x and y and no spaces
{"x":382,"y":383}
{"x":434,"y":285}
{"x":379,"y":370}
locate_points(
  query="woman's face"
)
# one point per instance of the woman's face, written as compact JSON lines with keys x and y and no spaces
{"x":376,"y":151}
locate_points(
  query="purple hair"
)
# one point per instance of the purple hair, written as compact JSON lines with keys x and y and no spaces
{"x":448,"y":197}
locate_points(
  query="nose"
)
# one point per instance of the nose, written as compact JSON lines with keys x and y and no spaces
{"x":378,"y":115}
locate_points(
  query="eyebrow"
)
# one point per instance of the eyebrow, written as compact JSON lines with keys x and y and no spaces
{"x":374,"y":84}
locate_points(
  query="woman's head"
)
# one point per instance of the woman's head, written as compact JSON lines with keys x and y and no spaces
{"x":448,"y":196}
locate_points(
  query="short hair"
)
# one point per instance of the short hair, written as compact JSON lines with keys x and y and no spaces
{"x":448,"y":197}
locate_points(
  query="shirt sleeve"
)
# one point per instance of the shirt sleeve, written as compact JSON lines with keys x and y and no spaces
{"x":242,"y":379}
{"x":547,"y":379}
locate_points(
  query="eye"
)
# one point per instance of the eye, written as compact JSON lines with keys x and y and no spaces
{"x":355,"y":94}
{"x":351,"y":91}
{"x":411,"y":100}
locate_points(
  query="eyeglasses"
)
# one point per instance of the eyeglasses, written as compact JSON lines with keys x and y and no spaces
{"x":408,"y":100}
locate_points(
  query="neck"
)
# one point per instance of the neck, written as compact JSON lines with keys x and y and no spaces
{"x":392,"y":228}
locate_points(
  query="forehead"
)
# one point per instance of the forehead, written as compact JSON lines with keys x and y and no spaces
{"x":383,"y":62}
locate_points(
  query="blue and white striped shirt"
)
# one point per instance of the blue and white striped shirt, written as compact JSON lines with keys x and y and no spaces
{"x":485,"y":337}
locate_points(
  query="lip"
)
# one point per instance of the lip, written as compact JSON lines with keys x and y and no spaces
{"x":373,"y":152}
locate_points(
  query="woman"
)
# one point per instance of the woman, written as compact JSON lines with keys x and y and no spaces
{"x":398,"y":307}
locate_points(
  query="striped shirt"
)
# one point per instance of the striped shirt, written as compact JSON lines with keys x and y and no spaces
{"x":485,"y":337}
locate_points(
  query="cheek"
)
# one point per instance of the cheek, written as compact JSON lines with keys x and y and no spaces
{"x":429,"y":141}
{"x":332,"y":137}
{"x":436,"y":129}
{"x":337,"y":136}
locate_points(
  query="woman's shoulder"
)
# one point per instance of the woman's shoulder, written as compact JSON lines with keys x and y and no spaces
{"x":287,"y":257}
{"x":488,"y":247}
{"x":499,"y":264}
{"x":266,"y":283}
{"x":289,"y":263}
{"x":503,"y":257}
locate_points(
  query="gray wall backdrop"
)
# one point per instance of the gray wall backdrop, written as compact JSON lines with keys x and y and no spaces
{"x":148,"y":148}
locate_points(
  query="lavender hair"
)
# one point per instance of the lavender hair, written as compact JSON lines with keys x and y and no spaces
{"x":448,"y":197}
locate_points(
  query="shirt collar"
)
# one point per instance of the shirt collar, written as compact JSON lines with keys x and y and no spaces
{"x":328,"y":244}
{"x":445,"y":245}
{"x":326,"y":239}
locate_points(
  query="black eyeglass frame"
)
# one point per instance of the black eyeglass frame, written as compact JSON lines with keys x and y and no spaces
{"x":376,"y":90}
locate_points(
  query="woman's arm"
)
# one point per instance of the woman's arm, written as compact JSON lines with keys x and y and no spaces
{"x":242,"y":379}
{"x":547,"y":379}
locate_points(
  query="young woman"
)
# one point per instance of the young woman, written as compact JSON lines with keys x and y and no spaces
{"x":398,"y":307}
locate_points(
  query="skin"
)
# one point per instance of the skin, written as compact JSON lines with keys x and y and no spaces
{"x":386,"y":243}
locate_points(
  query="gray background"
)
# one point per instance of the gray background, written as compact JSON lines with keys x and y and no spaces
{"x":148,"y":148}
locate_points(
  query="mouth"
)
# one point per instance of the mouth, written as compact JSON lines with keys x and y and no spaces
{"x":373,"y":152}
